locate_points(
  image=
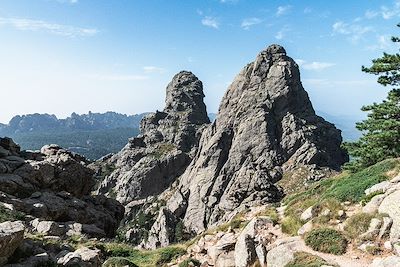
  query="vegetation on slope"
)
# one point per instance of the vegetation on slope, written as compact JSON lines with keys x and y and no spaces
{"x":327,"y":240}
{"x":330,"y":192}
{"x":303,"y":259}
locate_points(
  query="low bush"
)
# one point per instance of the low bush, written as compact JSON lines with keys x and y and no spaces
{"x":189,"y":262}
{"x":144,"y":258}
{"x":10,"y":215}
{"x":118,"y":262}
{"x":271,"y":213}
{"x":358,"y":224}
{"x":303,"y":259}
{"x":168,"y":254}
{"x":327,"y":240}
{"x":290,"y":225}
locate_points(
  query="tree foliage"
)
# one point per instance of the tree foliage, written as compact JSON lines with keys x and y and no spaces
{"x":381,"y":129}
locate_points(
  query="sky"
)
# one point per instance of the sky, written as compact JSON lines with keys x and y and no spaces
{"x":64,"y":56}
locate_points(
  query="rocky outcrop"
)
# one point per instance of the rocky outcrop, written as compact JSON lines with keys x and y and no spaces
{"x":55,"y":169}
{"x":150,"y":162}
{"x":266,"y":127}
{"x":53,"y":185}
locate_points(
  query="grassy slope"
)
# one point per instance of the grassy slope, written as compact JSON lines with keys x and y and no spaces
{"x":331,"y":192}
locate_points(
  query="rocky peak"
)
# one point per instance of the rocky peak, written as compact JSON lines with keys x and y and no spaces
{"x":185,"y":96}
{"x":150,"y":162}
{"x":265,"y":128}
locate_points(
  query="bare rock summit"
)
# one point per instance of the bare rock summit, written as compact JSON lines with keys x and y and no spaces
{"x":266,"y":127}
{"x":149,"y":163}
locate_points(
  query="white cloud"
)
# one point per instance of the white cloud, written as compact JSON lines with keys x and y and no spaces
{"x":248,"y":22}
{"x":385,"y":12}
{"x":67,"y":1}
{"x":54,"y":28}
{"x":283,"y":10}
{"x":118,"y":77}
{"x":383,"y":42}
{"x":210,"y":22}
{"x":370,"y":14}
{"x":153,"y":69}
{"x":282,"y":33}
{"x":334,"y":83}
{"x":228,"y":1}
{"x":317,"y":65}
{"x":354,"y":31}
{"x":314,"y":66}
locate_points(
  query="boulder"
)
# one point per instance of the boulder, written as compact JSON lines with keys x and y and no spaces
{"x":83,"y":257}
{"x":380,"y":187}
{"x":102,"y":212}
{"x":373,"y":229}
{"x":280,"y":256}
{"x":245,"y":251}
{"x":250,"y":237}
{"x":390,"y":261}
{"x":41,"y":259}
{"x":390,"y":206}
{"x":11,"y":236}
{"x":162,"y":233}
{"x":373,"y":205}
{"x":307,"y":227}
{"x":8,"y":144}
{"x":308,"y":214}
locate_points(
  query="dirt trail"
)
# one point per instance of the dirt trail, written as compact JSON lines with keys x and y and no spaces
{"x":345,"y":260}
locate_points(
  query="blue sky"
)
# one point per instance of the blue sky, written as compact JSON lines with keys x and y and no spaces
{"x":64,"y":56}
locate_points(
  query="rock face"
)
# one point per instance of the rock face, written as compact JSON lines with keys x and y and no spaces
{"x":266,"y":126}
{"x":150,"y":162}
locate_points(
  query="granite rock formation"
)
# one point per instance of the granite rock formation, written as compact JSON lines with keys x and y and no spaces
{"x":53,"y":185}
{"x":266,"y":126}
{"x":149,"y":163}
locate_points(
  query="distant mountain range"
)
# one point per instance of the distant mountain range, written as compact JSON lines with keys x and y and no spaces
{"x":97,"y":134}
{"x":85,"y":122}
{"x":92,"y":135}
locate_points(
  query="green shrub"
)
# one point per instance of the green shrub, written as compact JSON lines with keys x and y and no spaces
{"x":373,"y":250}
{"x":143,"y":258}
{"x":168,"y":254}
{"x":179,"y":232}
{"x":290,"y":225}
{"x":271,"y":213}
{"x":118,"y":262}
{"x":326,"y":240}
{"x":303,"y":259}
{"x":187,"y":262}
{"x":10,"y":215}
{"x":358,"y":224}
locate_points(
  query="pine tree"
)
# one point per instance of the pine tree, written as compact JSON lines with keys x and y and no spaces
{"x":381,"y":129}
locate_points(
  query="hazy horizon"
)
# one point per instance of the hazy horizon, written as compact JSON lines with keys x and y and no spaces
{"x":64,"y":56}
